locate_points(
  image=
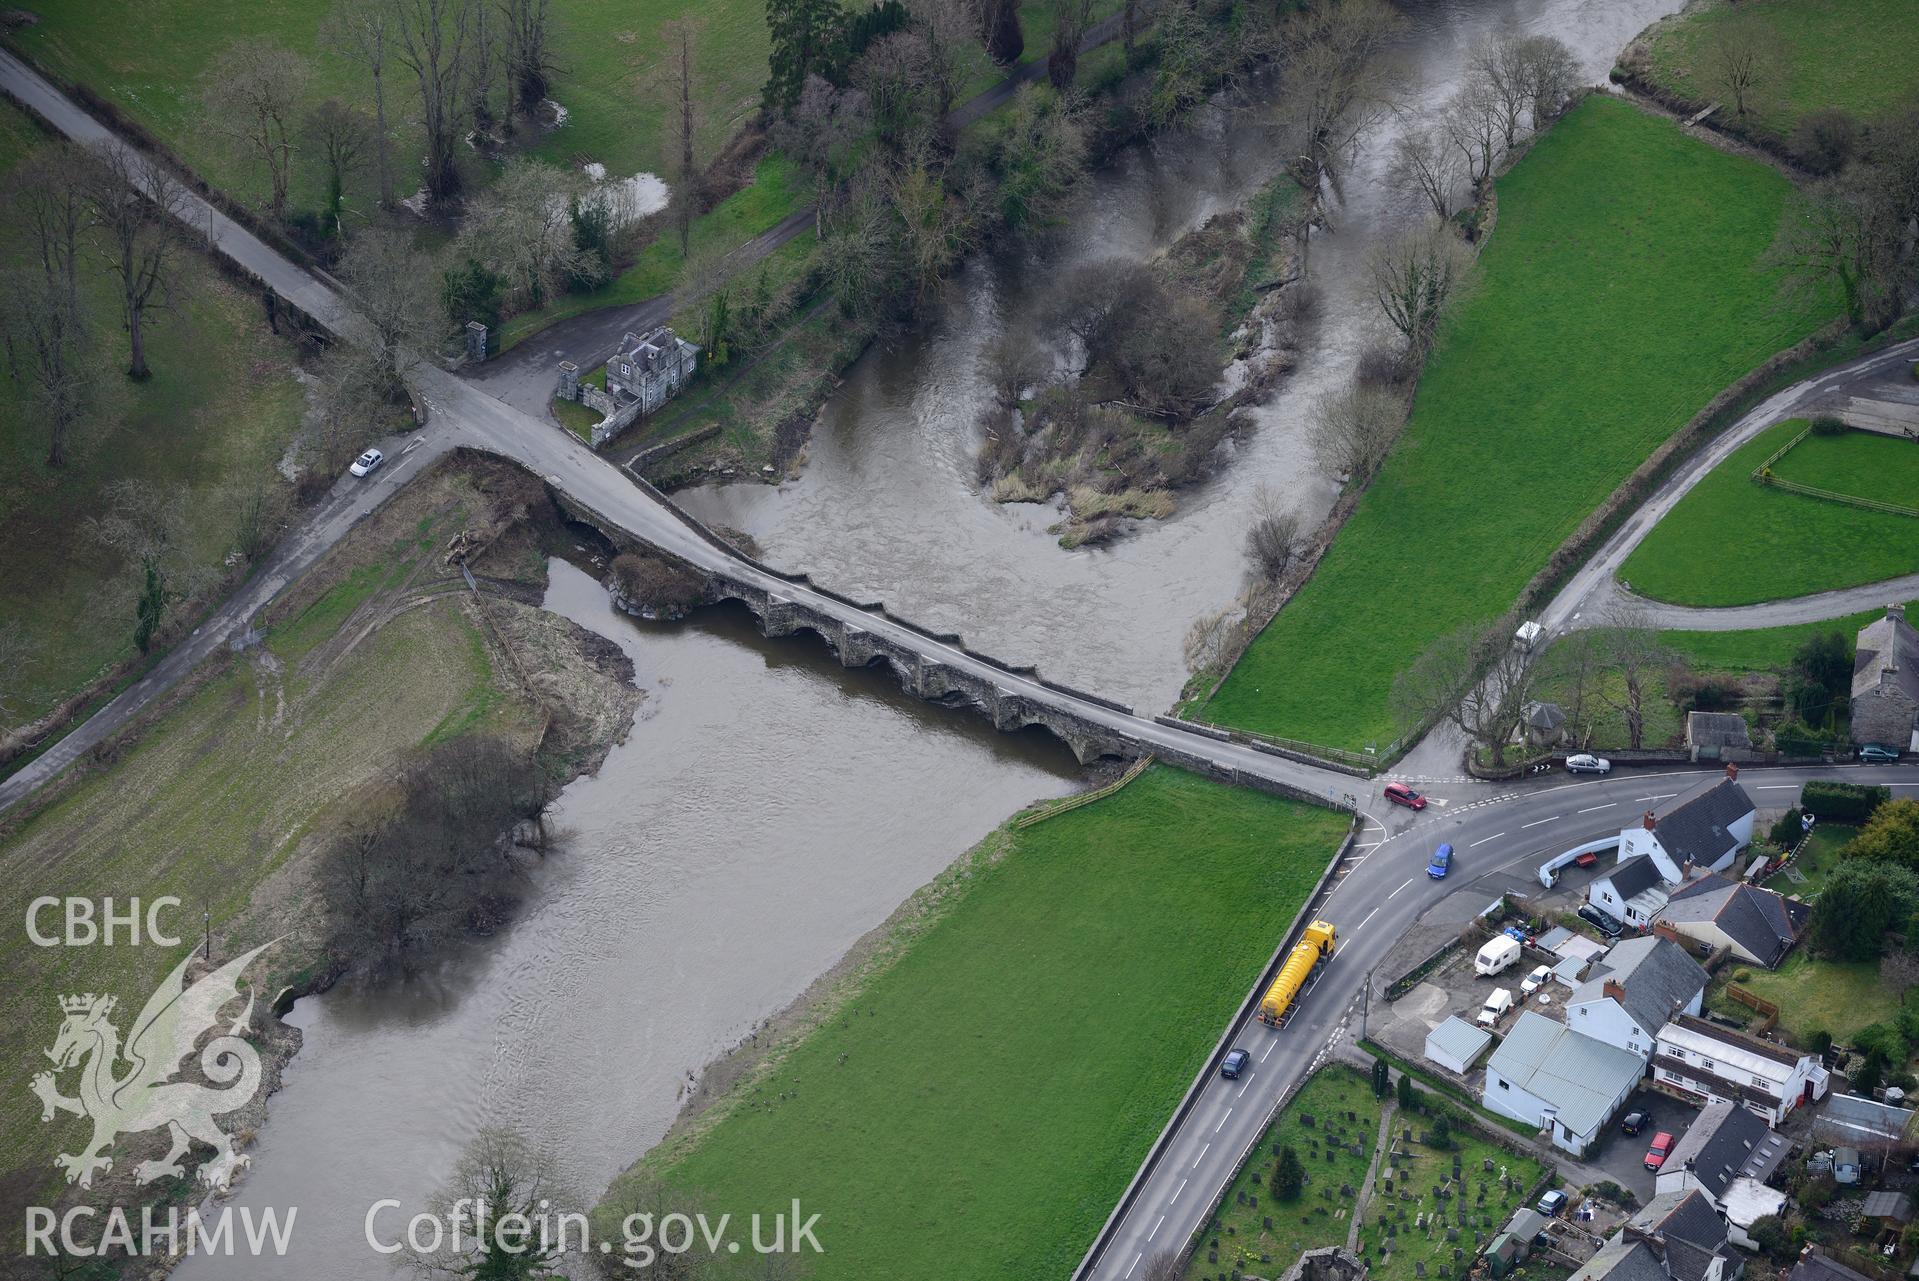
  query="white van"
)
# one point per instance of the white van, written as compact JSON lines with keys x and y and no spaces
{"x":1496,"y":1006}
{"x":1496,"y":956}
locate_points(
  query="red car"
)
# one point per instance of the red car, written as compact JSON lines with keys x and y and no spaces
{"x":1656,"y":1154}
{"x":1400,"y":794}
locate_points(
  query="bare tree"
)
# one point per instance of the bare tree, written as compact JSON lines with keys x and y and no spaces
{"x":521,"y":228}
{"x":951,"y":32}
{"x":505,"y":1193}
{"x":1189,"y":62}
{"x":339,"y":136}
{"x":432,"y":37}
{"x":1499,"y":63}
{"x":483,"y":50}
{"x":1843,"y":232}
{"x":364,"y":29}
{"x":1273,"y":540}
{"x":394,"y":288}
{"x":1744,"y":56}
{"x":1340,"y":84}
{"x":1211,"y":641}
{"x":1070,"y":20}
{"x":1633,"y":650}
{"x":1000,"y":31}
{"x":1416,"y":277}
{"x":1551,"y":73}
{"x":353,"y":393}
{"x":147,"y":526}
{"x":529,"y":55}
{"x":679,"y":38}
{"x":137,"y":204}
{"x":1575,"y":668}
{"x":253,"y":94}
{"x":1474,"y":677}
{"x":1352,"y":431}
{"x":41,"y":308}
{"x":1471,"y":122}
{"x":935,"y":229}
{"x":1427,"y":165}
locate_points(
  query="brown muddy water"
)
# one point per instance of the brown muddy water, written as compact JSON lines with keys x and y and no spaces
{"x":887,"y":507}
{"x":770,"y":808}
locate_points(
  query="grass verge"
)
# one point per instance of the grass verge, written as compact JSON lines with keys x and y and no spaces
{"x":975,"y":1104}
{"x":1734,"y":541}
{"x":1617,"y":225}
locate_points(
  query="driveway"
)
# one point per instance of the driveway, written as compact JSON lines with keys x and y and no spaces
{"x":1623,"y":1156}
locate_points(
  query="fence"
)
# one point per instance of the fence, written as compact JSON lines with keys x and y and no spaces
{"x":1133,"y":771}
{"x":1763,"y":475}
{"x":1768,"y":1012}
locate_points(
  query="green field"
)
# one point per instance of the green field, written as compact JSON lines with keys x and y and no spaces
{"x":1620,"y":293}
{"x":977,"y":1104}
{"x":1731,"y":541}
{"x":212,"y":422}
{"x":1856,"y":55}
{"x":1761,"y":649}
{"x":1816,"y":994}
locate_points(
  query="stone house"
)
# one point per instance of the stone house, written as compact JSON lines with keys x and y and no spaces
{"x":648,"y":368}
{"x":1885,"y":683}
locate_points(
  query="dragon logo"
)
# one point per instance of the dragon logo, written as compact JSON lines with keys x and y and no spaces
{"x":145,"y":1097}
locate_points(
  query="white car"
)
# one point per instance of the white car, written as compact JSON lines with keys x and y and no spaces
{"x":1495,"y":1007}
{"x":368,"y":463}
{"x":1587,"y":763}
{"x":1536,"y":980}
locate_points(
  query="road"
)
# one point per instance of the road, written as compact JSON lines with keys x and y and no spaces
{"x":1378,"y":895}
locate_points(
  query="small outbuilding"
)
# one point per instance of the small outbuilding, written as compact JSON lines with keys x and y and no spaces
{"x":1710,"y":736}
{"x":1892,"y":1210}
{"x":1457,"y":1045}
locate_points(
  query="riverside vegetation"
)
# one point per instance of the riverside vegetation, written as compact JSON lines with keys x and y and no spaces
{"x":965,"y":1034}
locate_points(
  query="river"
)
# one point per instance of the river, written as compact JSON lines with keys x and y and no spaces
{"x":769,"y":808}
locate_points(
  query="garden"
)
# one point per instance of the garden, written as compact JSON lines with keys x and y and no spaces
{"x":974,"y":1102}
{"x":1615,"y":223}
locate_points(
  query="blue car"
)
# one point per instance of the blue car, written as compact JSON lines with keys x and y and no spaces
{"x":1440,"y":863}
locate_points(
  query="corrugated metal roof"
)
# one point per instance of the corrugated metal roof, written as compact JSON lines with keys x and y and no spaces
{"x":1458,"y":1039}
{"x":1579,"y":1076}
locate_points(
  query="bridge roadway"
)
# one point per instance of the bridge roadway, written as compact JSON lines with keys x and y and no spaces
{"x":1379,"y":891}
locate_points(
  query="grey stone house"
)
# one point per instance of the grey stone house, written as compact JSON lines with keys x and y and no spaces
{"x":648,"y":368}
{"x":1885,"y":683}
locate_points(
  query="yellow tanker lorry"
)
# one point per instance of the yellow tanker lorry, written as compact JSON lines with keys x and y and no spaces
{"x":1314,"y":949}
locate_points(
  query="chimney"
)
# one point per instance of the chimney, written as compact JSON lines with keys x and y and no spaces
{"x":1732,"y":770}
{"x":1887,"y":675}
{"x":1650,"y":821}
{"x":1612,"y":988}
{"x":1896,"y":611}
{"x":1685,"y":871}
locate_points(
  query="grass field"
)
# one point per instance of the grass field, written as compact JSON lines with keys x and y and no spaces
{"x":1815,"y":863}
{"x":211,"y":799}
{"x":1620,"y":292}
{"x":212,"y":422}
{"x":1731,"y":541}
{"x":1815,"y":994}
{"x":1856,"y":55}
{"x":1761,"y":648}
{"x":976,"y":1105}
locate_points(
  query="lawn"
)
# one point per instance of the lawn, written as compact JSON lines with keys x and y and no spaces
{"x":1763,"y":648}
{"x":1806,"y":875}
{"x":976,"y":1104}
{"x":1733,"y":541}
{"x":1856,"y":55}
{"x":1332,"y":1124}
{"x":1620,"y":293}
{"x":211,"y":424}
{"x":1814,"y":995}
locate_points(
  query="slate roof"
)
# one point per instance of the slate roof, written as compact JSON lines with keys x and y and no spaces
{"x":1725,"y":1141}
{"x":1542,"y":715}
{"x":1622,"y":1260}
{"x":1634,"y":876}
{"x":1658,"y":977}
{"x":1717,"y":729}
{"x":1888,"y":1205}
{"x":1682,"y":1216}
{"x":1851,"y":1118}
{"x":1817,"y":1267}
{"x":1886,"y":642}
{"x":1757,"y":919}
{"x":1696,"y":829}
{"x":1577,"y":1074}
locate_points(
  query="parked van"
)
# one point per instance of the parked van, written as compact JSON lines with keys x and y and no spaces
{"x":1498,"y":955}
{"x":1496,"y":1006}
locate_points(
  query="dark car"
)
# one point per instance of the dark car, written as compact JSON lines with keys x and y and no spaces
{"x":1633,"y":1123}
{"x":1400,"y":794}
{"x":1552,"y":1203}
{"x":1234,"y":1063}
{"x":1604,"y":922}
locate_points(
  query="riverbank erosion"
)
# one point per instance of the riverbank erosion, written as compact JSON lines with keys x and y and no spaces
{"x":383,"y":704}
{"x":959,"y":1029}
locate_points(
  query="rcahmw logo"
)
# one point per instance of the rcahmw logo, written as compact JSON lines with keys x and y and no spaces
{"x":129,"y":1086}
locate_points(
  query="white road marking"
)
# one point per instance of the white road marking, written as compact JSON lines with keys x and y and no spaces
{"x":1202,"y":1154}
{"x":1156,"y":1227}
{"x":1375,"y":845}
{"x":1136,"y":1259}
{"x":1777,"y":787}
{"x":1663,"y":796}
{"x":1222,"y":1121}
{"x":1476,"y":844}
{"x":1437,"y":801}
{"x":1242,"y":1086}
{"x":1356,"y":929}
{"x":1176,"y":1191}
{"x":1269,"y":1049}
{"x":1409,"y":881}
{"x":1591,"y":809}
{"x":1553,"y":818}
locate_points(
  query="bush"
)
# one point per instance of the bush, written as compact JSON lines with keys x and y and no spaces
{"x":1785,"y":833}
{"x":1709,"y":693}
{"x":1825,"y":140}
{"x":1796,"y":738}
{"x":1862,"y":903}
{"x":1827,"y":425}
{"x":1289,"y":1178}
{"x":1741,"y":975}
{"x":655,"y":588}
{"x":1408,"y":1096}
{"x":1843,"y":802}
{"x":1770,"y":1234}
{"x":1819,"y":1041}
